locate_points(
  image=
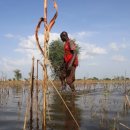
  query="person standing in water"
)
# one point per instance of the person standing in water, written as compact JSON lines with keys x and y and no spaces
{"x":70,"y":61}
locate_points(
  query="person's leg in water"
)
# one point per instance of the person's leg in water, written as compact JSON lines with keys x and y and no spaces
{"x":63,"y":83}
{"x":70,"y":78}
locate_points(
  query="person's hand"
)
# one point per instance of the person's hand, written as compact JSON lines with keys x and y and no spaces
{"x":69,"y":67}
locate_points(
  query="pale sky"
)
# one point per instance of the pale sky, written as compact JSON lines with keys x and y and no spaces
{"x":100,"y":27}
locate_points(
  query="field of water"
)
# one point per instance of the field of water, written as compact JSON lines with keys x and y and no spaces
{"x":93,"y":107}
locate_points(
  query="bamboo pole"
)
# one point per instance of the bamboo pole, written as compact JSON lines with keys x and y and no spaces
{"x":37,"y":96}
{"x":37,"y":76}
{"x":47,"y":28}
{"x":32,"y":79}
{"x":45,"y":64}
{"x":31,"y":89}
{"x":30,"y":95}
{"x":124,"y":126}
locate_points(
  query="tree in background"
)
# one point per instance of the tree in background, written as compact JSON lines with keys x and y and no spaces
{"x":17,"y":74}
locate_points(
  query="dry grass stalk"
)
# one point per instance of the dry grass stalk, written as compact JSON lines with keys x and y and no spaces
{"x":124,"y":126}
{"x":127,"y":100}
{"x":26,"y":113}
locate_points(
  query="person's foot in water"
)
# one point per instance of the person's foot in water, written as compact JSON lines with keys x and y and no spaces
{"x":73,"y":89}
{"x":63,"y":88}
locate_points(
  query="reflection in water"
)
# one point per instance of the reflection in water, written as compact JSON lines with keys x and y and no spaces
{"x":31,"y":116}
{"x":4,"y":95}
{"x":11,"y":108}
{"x":69,"y":122}
{"x":100,"y":108}
{"x":60,"y":116}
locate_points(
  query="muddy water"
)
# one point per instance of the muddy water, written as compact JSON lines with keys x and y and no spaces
{"x":93,"y":107}
{"x":11,"y":108}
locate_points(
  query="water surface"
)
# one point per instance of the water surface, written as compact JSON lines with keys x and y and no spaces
{"x":95,"y":107}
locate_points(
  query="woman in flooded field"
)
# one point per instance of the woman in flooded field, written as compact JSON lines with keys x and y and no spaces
{"x":67,"y":71}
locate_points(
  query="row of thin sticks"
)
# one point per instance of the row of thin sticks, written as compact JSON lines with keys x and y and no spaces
{"x":30,"y":99}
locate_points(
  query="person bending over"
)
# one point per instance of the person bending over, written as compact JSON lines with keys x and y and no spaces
{"x":70,"y":62}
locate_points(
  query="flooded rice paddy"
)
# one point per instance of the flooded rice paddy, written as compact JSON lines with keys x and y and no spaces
{"x":94,"y":107}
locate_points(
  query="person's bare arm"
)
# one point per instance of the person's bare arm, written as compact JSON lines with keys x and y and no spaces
{"x":74,"y":52}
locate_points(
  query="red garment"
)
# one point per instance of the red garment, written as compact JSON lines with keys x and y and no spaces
{"x":67,"y":53}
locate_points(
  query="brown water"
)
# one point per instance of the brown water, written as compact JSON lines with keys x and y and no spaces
{"x":96,"y":108}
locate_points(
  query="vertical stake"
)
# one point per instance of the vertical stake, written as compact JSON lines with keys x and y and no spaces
{"x":32,"y":79}
{"x":47,"y":28}
{"x":37,"y":95}
{"x":45,"y":64}
{"x":31,"y":89}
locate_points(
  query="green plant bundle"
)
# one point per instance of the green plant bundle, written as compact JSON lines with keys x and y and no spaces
{"x":56,"y":56}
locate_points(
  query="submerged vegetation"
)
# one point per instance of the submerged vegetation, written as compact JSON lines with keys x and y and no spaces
{"x":98,"y":104}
